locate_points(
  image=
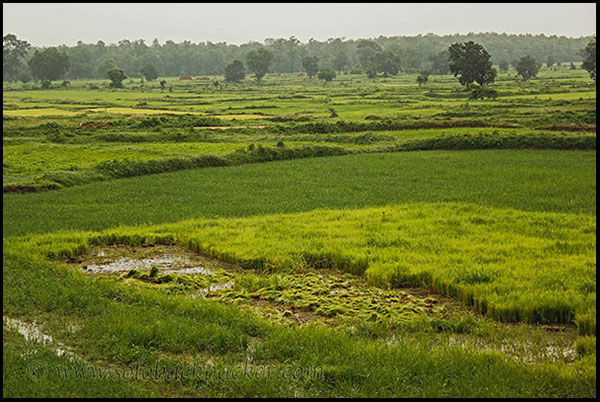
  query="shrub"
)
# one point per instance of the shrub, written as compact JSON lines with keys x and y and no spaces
{"x":479,"y":92}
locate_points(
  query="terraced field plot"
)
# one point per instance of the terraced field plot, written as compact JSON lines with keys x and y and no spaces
{"x":373,"y":236}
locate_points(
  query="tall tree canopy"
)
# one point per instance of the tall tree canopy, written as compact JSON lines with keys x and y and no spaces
{"x":13,"y":53}
{"x":528,"y":67}
{"x":386,"y":62}
{"x":366,"y":49}
{"x":311,"y":65}
{"x":470,"y":62}
{"x":589,"y":60}
{"x":150,"y":72}
{"x":259,"y":62}
{"x":235,"y":71}
{"x":417,"y":53}
{"x":49,"y":64}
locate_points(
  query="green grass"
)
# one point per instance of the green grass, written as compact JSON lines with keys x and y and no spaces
{"x":514,"y":266}
{"x":496,"y":211}
{"x":49,"y":166}
{"x":553,"y":181}
{"x":124,"y":326}
{"x":288,"y":106}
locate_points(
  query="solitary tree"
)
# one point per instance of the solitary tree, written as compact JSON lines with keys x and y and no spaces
{"x":326,"y":74}
{"x":550,"y":61}
{"x":49,"y":64}
{"x":149,"y":71}
{"x":527,"y":67}
{"x":311,"y":65}
{"x":589,"y":61}
{"x":13,"y":52}
{"x":422,"y":78}
{"x":235,"y":71}
{"x":503,"y":66}
{"x":470,"y":62}
{"x":259,"y":61}
{"x":117,"y":76}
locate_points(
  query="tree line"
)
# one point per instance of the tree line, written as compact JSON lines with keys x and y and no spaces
{"x":378,"y":56}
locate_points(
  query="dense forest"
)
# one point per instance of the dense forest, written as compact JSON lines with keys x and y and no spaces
{"x":416,"y":53}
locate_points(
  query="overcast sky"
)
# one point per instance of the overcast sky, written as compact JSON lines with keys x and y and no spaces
{"x":46,"y":24}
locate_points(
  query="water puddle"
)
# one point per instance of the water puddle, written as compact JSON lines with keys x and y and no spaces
{"x":31,"y":332}
{"x":552,"y":350}
{"x":167,"y":258}
{"x":524,"y":351}
{"x":213,"y":288}
{"x":165,"y":263}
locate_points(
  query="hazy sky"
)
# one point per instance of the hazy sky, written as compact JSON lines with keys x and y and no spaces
{"x":44,"y":24}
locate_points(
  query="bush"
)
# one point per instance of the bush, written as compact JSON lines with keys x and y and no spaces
{"x":480,"y":92}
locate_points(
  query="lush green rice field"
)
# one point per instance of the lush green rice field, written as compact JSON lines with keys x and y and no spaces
{"x":420,"y":243}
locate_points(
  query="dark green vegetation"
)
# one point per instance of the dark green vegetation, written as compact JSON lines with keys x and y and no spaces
{"x":373,"y":237}
{"x":470,"y":62}
{"x":528,"y":67}
{"x":49,"y":64}
{"x":417,"y":53}
{"x":589,"y":62}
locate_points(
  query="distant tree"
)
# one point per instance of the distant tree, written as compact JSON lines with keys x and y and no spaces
{"x":13,"y":53}
{"x":589,"y":60}
{"x":116,"y":75}
{"x":25,"y":76}
{"x":439,"y":62}
{"x":470,"y":62}
{"x":292,"y":52}
{"x":572,"y":66}
{"x":422,"y":78}
{"x":259,"y":62}
{"x":104,"y":66}
{"x":550,"y":61}
{"x":150,"y":72}
{"x":235,"y":71}
{"x":50,"y":64}
{"x":326,"y":74}
{"x":503,"y":66}
{"x":46,"y":83}
{"x":340,"y":55}
{"x":528,"y":67}
{"x":163,"y":84}
{"x":311,"y":65}
{"x":365,"y":50}
{"x":386,"y":62}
